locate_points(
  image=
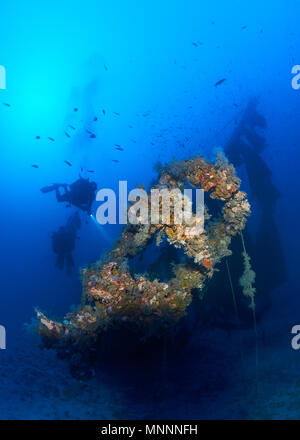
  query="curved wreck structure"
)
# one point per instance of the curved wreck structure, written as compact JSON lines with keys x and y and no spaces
{"x":113,"y":298}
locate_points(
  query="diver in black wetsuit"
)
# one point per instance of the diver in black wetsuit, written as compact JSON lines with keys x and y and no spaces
{"x":63,"y":243}
{"x":81,"y":193}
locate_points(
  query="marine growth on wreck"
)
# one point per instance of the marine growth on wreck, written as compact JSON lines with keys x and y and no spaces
{"x":113,"y":299}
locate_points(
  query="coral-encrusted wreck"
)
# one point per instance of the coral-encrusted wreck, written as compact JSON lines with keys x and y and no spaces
{"x":112,"y":298}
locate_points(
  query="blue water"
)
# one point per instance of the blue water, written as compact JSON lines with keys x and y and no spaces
{"x":152,"y":66}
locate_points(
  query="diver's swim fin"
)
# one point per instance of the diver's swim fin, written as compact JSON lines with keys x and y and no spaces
{"x":50,"y":188}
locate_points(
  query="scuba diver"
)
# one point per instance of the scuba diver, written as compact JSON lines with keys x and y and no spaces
{"x":80,"y":193}
{"x":63,"y":243}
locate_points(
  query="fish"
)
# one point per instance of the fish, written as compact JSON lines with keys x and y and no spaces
{"x":75,"y":109}
{"x":95,"y":119}
{"x":67,"y":134}
{"x":51,"y":139}
{"x":105,"y":67}
{"x":120,"y":148}
{"x":92,"y":135}
{"x":194,"y":44}
{"x":35,"y":166}
{"x":90,"y":171}
{"x":116,"y":113}
{"x":6,"y":104}
{"x":117,"y":145}
{"x":38,"y":137}
{"x":71,"y":126}
{"x":244,"y":27}
{"x":68,"y":163}
{"x":220,"y":82}
{"x":115,"y":160}
{"x":103,"y":111}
